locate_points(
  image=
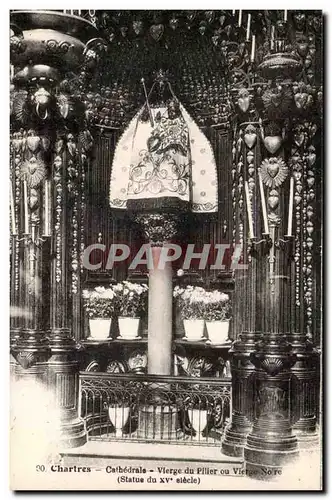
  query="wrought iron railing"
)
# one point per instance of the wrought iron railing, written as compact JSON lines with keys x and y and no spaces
{"x":154,"y":408}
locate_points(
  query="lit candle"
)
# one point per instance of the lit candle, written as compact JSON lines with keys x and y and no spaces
{"x":285,"y":15}
{"x":272,"y":37}
{"x":290,"y":211}
{"x":250,"y":221}
{"x":261,"y":188}
{"x":12,"y":210}
{"x":240,"y":17}
{"x":248,"y":27}
{"x":47,"y":209}
{"x":26,"y":202}
{"x":253,"y":44}
{"x":233,"y":12}
{"x":79,"y":12}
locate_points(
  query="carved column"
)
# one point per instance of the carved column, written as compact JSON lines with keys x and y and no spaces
{"x":48,"y":48}
{"x":29,"y":173}
{"x":246,"y":285}
{"x":271,"y":442}
{"x":305,"y":370}
{"x":63,"y":363}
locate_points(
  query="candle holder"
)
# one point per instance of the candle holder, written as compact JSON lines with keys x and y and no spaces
{"x":286,"y":244}
{"x":259,"y":248}
{"x":36,"y":242}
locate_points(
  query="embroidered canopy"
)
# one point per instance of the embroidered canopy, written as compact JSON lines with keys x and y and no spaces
{"x":163,"y":161}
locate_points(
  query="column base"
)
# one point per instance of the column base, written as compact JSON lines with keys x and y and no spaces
{"x":271,"y":445}
{"x":73,"y":434}
{"x":235,"y":439}
{"x":307,"y":440}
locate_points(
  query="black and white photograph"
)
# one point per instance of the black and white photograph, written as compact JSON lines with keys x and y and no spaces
{"x":165,"y":209}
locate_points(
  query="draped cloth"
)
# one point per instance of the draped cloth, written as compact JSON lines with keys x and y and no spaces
{"x":167,"y":166}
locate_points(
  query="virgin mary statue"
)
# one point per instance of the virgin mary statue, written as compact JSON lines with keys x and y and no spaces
{"x":163,"y":161}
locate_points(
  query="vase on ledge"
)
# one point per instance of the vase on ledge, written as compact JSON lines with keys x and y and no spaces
{"x":118,"y":416}
{"x":128,"y":328}
{"x":198,"y":420}
{"x":217,"y":331}
{"x":100,"y":328}
{"x":194,"y":329}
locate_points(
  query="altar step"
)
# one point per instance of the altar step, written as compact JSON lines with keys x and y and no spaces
{"x":98,"y":454}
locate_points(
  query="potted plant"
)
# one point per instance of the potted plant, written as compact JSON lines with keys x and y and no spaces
{"x":190,"y":303}
{"x":131,"y":302}
{"x":217,"y":315}
{"x":99,"y":305}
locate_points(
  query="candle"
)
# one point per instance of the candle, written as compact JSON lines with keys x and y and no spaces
{"x":79,"y":12}
{"x":250,"y":221}
{"x":272,"y":37}
{"x":12,"y":210}
{"x":240,"y":17}
{"x":248,"y":27}
{"x":26,"y":211}
{"x":253,"y":44}
{"x":47,"y":209}
{"x":261,"y":188}
{"x":285,"y":16}
{"x":290,"y":210}
{"x":233,"y":12}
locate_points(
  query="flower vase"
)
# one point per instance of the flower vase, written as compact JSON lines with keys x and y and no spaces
{"x":217,"y":331}
{"x":194,"y":329}
{"x":118,"y":416}
{"x":128,"y":328}
{"x":100,"y":328}
{"x":198,"y":420}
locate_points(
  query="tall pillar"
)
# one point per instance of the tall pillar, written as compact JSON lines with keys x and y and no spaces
{"x":63,"y":376}
{"x":160,"y":317}
{"x":159,"y":229}
{"x":247,"y":284}
{"x":48,"y":48}
{"x":305,"y":381}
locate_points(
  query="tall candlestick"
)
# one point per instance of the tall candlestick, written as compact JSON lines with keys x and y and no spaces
{"x":253,"y":44}
{"x":250,"y":221}
{"x":261,"y":188}
{"x":272,"y":37}
{"x":12,"y":210}
{"x":47,"y":209}
{"x":240,"y":17}
{"x":285,"y":15}
{"x":290,"y":209}
{"x":248,"y":27}
{"x":26,"y":204}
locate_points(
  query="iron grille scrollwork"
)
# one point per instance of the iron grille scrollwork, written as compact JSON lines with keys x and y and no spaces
{"x":154,"y":408}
